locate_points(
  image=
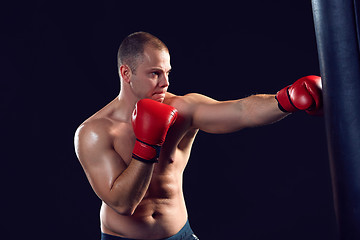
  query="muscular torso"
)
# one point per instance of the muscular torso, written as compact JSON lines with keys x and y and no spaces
{"x":162,"y":212}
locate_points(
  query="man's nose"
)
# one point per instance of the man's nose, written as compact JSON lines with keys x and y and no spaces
{"x":164,"y":80}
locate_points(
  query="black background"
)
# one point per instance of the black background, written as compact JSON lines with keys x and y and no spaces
{"x":58,"y":67}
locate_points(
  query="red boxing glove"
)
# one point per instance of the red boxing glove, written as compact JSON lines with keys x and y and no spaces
{"x":151,"y":121}
{"x":304,"y":94}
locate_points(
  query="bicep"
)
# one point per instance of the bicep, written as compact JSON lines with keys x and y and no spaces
{"x":102,"y":172}
{"x":101,"y":163}
{"x":214,"y":116}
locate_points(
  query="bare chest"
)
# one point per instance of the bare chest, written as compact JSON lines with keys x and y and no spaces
{"x":174,"y":153}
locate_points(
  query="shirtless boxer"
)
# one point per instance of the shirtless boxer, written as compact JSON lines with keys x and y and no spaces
{"x":138,"y":175}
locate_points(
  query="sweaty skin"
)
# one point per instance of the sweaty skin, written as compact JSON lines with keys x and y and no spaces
{"x":143,"y":200}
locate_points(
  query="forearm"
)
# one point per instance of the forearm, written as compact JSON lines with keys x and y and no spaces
{"x":260,"y":109}
{"x":130,"y":187}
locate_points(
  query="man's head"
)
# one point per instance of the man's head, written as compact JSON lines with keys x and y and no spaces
{"x":144,"y":66}
{"x":131,"y":50}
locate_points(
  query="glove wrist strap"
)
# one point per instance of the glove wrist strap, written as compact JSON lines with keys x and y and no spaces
{"x":145,"y":152}
{"x":284,"y":102}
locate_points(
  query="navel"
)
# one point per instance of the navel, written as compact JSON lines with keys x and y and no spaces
{"x":155,"y":215}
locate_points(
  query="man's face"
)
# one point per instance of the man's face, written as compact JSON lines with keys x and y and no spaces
{"x":151,"y":79}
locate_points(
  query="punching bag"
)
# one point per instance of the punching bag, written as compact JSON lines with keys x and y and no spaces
{"x":337,"y":35}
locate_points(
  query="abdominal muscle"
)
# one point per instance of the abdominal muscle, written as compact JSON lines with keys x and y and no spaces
{"x":162,"y":212}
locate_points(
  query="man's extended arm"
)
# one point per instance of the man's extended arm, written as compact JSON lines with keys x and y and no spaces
{"x":228,"y":116}
{"x":214,"y":116}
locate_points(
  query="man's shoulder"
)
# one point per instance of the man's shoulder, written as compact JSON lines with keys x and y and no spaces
{"x":96,"y":135}
{"x":172,"y":99}
{"x":102,"y":129}
{"x":100,"y":122}
{"x":189,"y":97}
{"x":93,"y":130}
{"x":187,"y":102}
{"x":95,"y":125}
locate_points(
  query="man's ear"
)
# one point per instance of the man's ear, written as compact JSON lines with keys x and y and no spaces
{"x":125,"y":73}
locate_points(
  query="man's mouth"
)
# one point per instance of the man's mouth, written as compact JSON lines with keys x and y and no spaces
{"x":162,"y":93}
{"x":159,"y":96}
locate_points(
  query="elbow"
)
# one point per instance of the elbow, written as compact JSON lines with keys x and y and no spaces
{"x":123,"y":204}
{"x":124,"y":209}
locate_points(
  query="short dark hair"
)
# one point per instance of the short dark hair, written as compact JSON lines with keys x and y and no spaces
{"x":132,"y":48}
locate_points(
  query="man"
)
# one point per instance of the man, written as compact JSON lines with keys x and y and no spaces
{"x":135,"y":149}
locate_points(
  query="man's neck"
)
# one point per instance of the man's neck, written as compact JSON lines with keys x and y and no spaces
{"x":125,"y":105}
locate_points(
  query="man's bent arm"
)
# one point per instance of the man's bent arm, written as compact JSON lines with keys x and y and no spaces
{"x":120,"y":186}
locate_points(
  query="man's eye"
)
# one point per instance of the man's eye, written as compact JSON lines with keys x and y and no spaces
{"x":155,"y":73}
